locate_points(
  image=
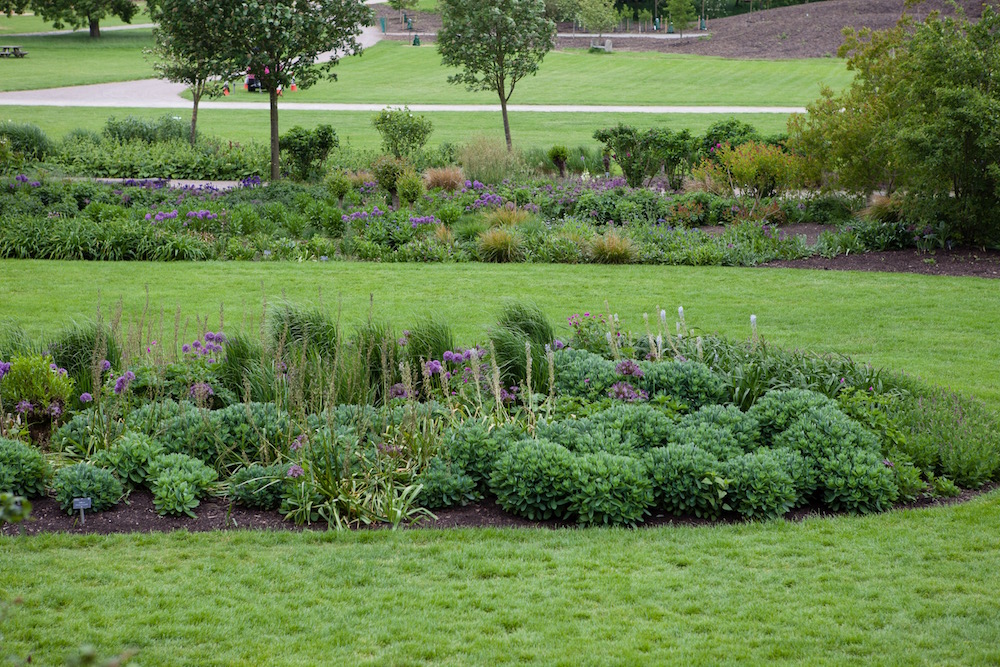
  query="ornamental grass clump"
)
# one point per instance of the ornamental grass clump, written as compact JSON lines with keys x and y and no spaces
{"x":448,"y":179}
{"x":500,"y":244}
{"x":613,"y":247}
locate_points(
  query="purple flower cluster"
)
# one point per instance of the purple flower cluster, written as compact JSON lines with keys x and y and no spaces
{"x":250,"y":182}
{"x":21,"y":178}
{"x":298,"y":443}
{"x":4,"y":368}
{"x":212,"y":345}
{"x":509,"y":395}
{"x":368,"y":188}
{"x":398,"y":390}
{"x":24,"y":407}
{"x":433,"y":367}
{"x":558,"y":344}
{"x":623,"y":391}
{"x":123,"y":381}
{"x":416,"y":221}
{"x":362,"y":215}
{"x":474,"y":185}
{"x":457,"y":356}
{"x":203,"y":214}
{"x":628,"y":368}
{"x":57,"y":370}
{"x":295,"y":470}
{"x":487,"y":199}
{"x":201,"y":391}
{"x":85,"y":397}
{"x":160,"y":216}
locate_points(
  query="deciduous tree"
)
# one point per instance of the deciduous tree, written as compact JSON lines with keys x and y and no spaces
{"x":79,"y":13}
{"x":496,"y":43}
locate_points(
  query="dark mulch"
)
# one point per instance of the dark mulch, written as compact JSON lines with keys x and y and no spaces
{"x":811,"y":30}
{"x":139,"y":516}
{"x":960,"y":262}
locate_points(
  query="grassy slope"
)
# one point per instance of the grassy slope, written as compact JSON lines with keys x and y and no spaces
{"x":355,"y":128}
{"x":71,"y":60}
{"x":394,"y":73}
{"x":939,"y":328}
{"x":29,"y":22}
{"x":898,"y":589}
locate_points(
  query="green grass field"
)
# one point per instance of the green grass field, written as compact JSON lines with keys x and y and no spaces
{"x":903,"y":588}
{"x":937,"y":327}
{"x":29,"y":22}
{"x":76,"y":59}
{"x":394,"y":73}
{"x":354,"y":128}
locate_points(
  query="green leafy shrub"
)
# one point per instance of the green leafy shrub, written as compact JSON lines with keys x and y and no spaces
{"x":820,"y":433}
{"x":86,"y":481}
{"x":643,"y":154}
{"x":410,"y":187}
{"x":194,"y":433}
{"x":744,"y":428}
{"x":732,"y":131}
{"x":857,"y":481}
{"x":690,"y":382}
{"x":535,"y":479}
{"x":87,"y":432}
{"x":444,"y":484}
{"x":473,"y":446}
{"x":33,"y":387}
{"x":147,"y":130}
{"x":776,"y":410}
{"x":26,"y":139}
{"x":402,"y":133}
{"x":804,"y":473}
{"x":687,"y":480}
{"x":387,"y":170}
{"x":610,"y":490}
{"x":307,"y":149}
{"x":650,"y":425}
{"x":129,"y":458}
{"x":760,"y":487}
{"x":713,"y":438}
{"x":584,"y":436}
{"x":23,"y":469}
{"x":178,"y":482}
{"x":259,"y":486}
{"x":558,"y":155}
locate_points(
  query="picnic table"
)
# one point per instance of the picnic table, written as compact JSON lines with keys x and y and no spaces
{"x":12,"y":51}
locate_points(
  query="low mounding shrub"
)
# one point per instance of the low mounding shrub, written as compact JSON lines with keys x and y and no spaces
{"x":129,"y":458}
{"x":178,"y":482}
{"x":444,"y":484}
{"x":610,"y":489}
{"x":713,"y":438}
{"x":744,"y":428}
{"x":87,"y":481}
{"x":776,"y":410}
{"x":23,"y":469}
{"x":687,"y":480}
{"x":150,"y":131}
{"x":259,"y":486}
{"x":535,"y":479}
{"x":473,"y":447}
{"x":649,"y":425}
{"x":26,"y":139}
{"x":760,"y":487}
{"x":820,"y":433}
{"x":584,"y":436}
{"x":402,"y":132}
{"x":410,"y":188}
{"x":804,"y":473}
{"x":500,"y":244}
{"x":858,"y":481}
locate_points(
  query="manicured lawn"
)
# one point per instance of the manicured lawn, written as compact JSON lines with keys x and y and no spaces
{"x":355,"y":128}
{"x":76,"y":59}
{"x":394,"y":73}
{"x":901,"y":588}
{"x":29,"y":22}
{"x":939,"y":328}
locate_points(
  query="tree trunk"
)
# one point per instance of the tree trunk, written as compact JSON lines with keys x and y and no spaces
{"x":195,"y":97}
{"x":275,"y":149}
{"x":95,"y":27}
{"x":506,"y":123}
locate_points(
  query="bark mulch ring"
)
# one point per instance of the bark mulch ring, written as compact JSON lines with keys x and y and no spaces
{"x":959,"y":262}
{"x":138,"y":515}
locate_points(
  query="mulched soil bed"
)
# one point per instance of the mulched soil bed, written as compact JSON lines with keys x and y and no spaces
{"x":139,"y":516}
{"x":961,"y":262}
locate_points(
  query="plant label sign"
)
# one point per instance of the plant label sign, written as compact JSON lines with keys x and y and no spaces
{"x":82,"y":504}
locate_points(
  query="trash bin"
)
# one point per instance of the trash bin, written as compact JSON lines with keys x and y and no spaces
{"x":416,"y":40}
{"x":704,"y":24}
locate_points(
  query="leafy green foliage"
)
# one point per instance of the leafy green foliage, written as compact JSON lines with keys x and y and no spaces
{"x":857,"y":481}
{"x":610,"y":489}
{"x":308,"y":149}
{"x":259,"y":486}
{"x":535,"y":479}
{"x":444,"y":484}
{"x":402,"y":133}
{"x":33,"y":382}
{"x":79,"y":14}
{"x":474,"y":446}
{"x":744,"y":427}
{"x":713,"y":438}
{"x":496,"y":43}
{"x":760,"y":486}
{"x":650,"y":425}
{"x":804,"y":472}
{"x":86,"y":481}
{"x":641,"y":155}
{"x":387,"y":170}
{"x":129,"y":458}
{"x":13,"y":509}
{"x":148,"y":131}
{"x":776,"y":410}
{"x":687,"y":480}
{"x":178,"y":482}
{"x":820,"y":433}
{"x":26,"y":140}
{"x":23,"y":469}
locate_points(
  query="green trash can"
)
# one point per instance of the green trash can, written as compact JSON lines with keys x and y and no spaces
{"x":670,"y":28}
{"x":704,"y":25}
{"x":416,"y":40}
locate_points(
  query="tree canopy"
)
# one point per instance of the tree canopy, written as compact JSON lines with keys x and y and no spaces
{"x":79,"y":13}
{"x":496,"y":43}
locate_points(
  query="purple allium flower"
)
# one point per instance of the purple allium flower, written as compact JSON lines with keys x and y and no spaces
{"x":628,"y":368}
{"x":24,"y":406}
{"x":55,"y":410}
{"x":210,"y":336}
{"x":432,"y":367}
{"x":4,"y":368}
{"x":398,"y":390}
{"x":201,"y":391}
{"x":295,"y":470}
{"x":105,"y":365}
{"x":53,"y":367}
{"x":298,"y":443}
{"x":888,"y":464}
{"x":85,"y":397}
{"x":185,"y":348}
{"x":558,"y":344}
{"x":129,"y":375}
{"x":623,"y":391}
{"x":323,"y":258}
